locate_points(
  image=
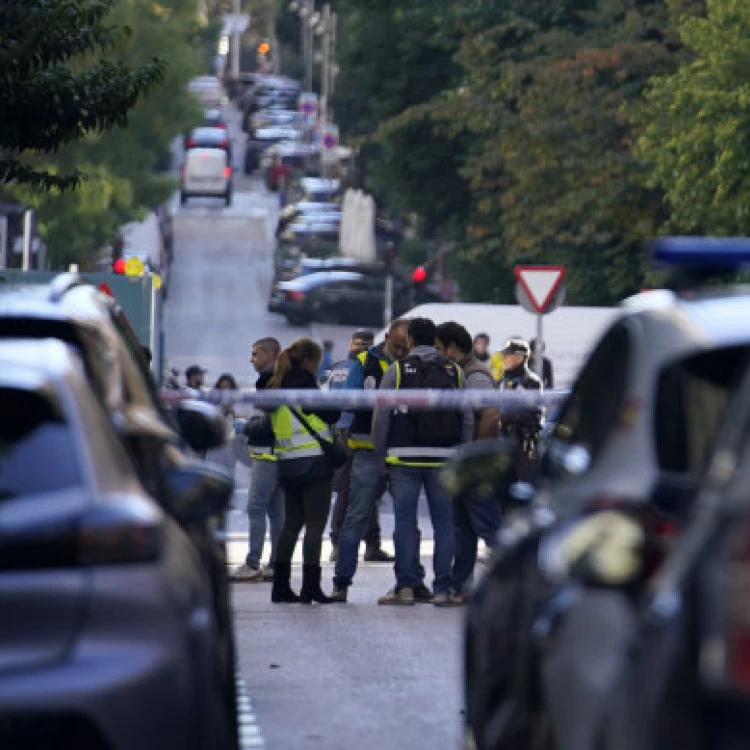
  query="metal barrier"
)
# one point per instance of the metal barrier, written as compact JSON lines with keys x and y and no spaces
{"x":361,"y":400}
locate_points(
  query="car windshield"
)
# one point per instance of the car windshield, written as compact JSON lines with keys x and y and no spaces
{"x":37,"y":451}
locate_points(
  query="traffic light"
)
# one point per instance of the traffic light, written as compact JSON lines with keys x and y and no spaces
{"x":119,"y":266}
{"x":419,"y":277}
{"x":264,"y":49}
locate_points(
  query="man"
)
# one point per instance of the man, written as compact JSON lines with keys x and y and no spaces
{"x":524,"y":424}
{"x":194,"y":378}
{"x":476,"y":518}
{"x":415,"y":445}
{"x":367,"y":482}
{"x":482,"y":347}
{"x":265,"y":497}
{"x":361,"y":341}
{"x":326,"y":363}
{"x":547,"y":371}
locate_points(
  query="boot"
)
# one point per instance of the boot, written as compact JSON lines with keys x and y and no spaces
{"x":311,"y":591}
{"x":282,"y":593}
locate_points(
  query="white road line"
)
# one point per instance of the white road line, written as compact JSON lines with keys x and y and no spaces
{"x":250,"y":735}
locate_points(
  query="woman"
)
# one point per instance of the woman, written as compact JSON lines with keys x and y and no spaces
{"x":224,"y":456}
{"x":305,"y":474}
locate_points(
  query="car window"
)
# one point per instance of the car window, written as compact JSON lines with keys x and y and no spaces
{"x":37,"y":446}
{"x":594,"y":405}
{"x":691,"y":400}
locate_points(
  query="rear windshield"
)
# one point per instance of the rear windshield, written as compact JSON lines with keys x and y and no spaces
{"x":37,"y":452}
{"x":691,"y":401}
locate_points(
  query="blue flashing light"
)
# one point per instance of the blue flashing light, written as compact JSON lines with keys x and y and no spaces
{"x":706,"y":253}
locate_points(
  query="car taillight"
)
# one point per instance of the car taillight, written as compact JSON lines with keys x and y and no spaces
{"x":190,"y":143}
{"x":124,"y":531}
{"x":224,"y":144}
{"x":227,"y":172}
{"x":295,"y":296}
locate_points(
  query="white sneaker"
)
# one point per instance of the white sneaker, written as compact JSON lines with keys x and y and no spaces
{"x":246,"y":574}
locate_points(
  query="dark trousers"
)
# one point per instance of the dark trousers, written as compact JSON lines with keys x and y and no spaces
{"x":473,"y":519}
{"x":306,"y":504}
{"x":341,"y":484}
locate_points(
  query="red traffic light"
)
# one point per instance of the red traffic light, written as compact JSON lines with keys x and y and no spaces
{"x":119,"y":266}
{"x":419,"y":274}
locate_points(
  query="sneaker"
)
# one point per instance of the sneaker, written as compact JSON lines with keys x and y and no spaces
{"x":339,"y":593}
{"x":422,"y":595}
{"x":246,"y":574}
{"x":446,"y":599}
{"x":267,"y":572}
{"x":334,"y":557}
{"x":377,"y":555}
{"x":399,"y":597}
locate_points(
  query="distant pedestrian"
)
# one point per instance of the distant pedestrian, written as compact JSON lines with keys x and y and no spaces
{"x":224,"y":456}
{"x":194,"y":378}
{"x":326,"y":364}
{"x":415,"y":445}
{"x":482,"y":347}
{"x":226,"y":382}
{"x":265,"y":498}
{"x":474,"y":518}
{"x":304,"y":471}
{"x":548,"y":377}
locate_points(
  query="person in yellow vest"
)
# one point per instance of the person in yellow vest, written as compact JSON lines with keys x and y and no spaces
{"x":305,"y":474}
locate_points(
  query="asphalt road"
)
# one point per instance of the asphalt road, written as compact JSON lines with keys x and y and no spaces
{"x":341,"y":676}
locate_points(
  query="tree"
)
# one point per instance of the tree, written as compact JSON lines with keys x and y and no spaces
{"x":697,"y":125}
{"x":54,"y":85}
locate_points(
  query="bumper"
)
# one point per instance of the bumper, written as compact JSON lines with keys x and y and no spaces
{"x":141,"y":674}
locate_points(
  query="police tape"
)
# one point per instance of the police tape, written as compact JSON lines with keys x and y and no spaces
{"x":365,"y":400}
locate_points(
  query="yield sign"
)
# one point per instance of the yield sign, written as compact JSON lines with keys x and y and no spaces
{"x":540,"y":283}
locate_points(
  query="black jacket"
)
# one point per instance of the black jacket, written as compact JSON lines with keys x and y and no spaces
{"x":299,"y":378}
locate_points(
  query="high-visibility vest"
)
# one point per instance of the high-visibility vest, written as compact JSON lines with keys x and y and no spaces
{"x":262,"y":453}
{"x":360,"y":437}
{"x":292,"y":438}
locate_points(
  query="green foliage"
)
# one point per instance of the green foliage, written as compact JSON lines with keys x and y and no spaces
{"x":47,"y":99}
{"x":697,"y":125}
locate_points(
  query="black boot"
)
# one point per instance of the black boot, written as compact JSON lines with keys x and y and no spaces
{"x":282,"y":593}
{"x":311,"y":591}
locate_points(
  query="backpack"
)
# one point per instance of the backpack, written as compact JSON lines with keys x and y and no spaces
{"x":438,"y":428}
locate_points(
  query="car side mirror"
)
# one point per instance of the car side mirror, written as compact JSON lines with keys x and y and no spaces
{"x":196,"y":491}
{"x":483,"y":469}
{"x":201,"y":425}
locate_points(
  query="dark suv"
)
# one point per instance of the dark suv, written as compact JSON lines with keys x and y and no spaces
{"x":158,"y":441}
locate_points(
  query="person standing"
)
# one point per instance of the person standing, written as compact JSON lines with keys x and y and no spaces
{"x":548,"y":377}
{"x":474,"y":518}
{"x":326,"y":364}
{"x":304,"y":471}
{"x":367,"y":478}
{"x":415,"y":445}
{"x":224,"y":456}
{"x":265,"y":498}
{"x":194,"y":379}
{"x":482,"y":347}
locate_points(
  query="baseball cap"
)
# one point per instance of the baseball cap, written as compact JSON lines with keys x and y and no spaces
{"x":516,"y":346}
{"x":194,"y":370}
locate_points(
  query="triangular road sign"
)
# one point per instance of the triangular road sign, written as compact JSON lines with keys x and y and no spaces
{"x":540,"y":283}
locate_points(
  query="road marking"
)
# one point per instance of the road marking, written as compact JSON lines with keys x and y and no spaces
{"x":249,"y":731}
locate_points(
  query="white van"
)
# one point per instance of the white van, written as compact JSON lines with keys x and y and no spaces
{"x":206,"y":173}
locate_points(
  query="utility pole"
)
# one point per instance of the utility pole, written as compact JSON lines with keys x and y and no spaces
{"x":236,"y":11}
{"x":28,"y":217}
{"x":308,"y":19}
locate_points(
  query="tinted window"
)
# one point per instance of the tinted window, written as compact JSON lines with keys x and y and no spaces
{"x":37,"y":451}
{"x":692,"y":397}
{"x":594,"y":405}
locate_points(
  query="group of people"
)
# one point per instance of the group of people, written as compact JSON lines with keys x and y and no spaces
{"x":300,"y":456}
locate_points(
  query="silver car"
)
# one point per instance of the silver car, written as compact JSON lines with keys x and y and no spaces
{"x":107,"y":637}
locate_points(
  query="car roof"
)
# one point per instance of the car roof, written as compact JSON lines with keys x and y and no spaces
{"x":34,"y":364}
{"x":320,"y":278}
{"x":209,"y":134}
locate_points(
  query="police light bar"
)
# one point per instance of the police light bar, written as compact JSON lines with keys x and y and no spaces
{"x":706,"y":253}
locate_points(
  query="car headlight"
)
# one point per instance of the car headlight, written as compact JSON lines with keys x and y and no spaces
{"x":606,"y":548}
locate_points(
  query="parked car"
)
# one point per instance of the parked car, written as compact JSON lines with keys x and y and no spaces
{"x":209,"y":91}
{"x":106,"y":636}
{"x":262,"y":139}
{"x":338,"y":297}
{"x":213,"y":118}
{"x":209,"y":137}
{"x":159,"y":441}
{"x":546,"y":646}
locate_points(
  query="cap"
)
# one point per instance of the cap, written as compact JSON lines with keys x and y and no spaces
{"x":194,"y":370}
{"x":516,"y":346}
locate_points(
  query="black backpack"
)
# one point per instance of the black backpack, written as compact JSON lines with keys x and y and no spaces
{"x":439,"y":428}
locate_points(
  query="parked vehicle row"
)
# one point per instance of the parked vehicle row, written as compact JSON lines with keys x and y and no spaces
{"x":612,"y":615}
{"x":116,"y":629}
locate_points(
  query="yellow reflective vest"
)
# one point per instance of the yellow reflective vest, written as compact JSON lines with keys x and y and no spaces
{"x":292,"y":438}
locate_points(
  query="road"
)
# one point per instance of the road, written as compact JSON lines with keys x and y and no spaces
{"x":341,"y":676}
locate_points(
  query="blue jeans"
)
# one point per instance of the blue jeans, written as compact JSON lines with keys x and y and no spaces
{"x":265,"y":499}
{"x":475,"y":519}
{"x":367,"y":485}
{"x":405,"y":485}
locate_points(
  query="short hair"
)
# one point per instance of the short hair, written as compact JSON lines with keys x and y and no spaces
{"x":364,"y":334}
{"x":422,"y":331}
{"x":484,"y":336}
{"x":454,"y":333}
{"x":270,"y":344}
{"x":399,"y":323}
{"x":328,"y":344}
